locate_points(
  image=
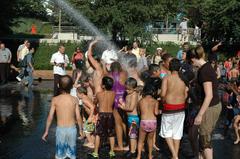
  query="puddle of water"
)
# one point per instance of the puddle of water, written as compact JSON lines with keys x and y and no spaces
{"x":23,"y":114}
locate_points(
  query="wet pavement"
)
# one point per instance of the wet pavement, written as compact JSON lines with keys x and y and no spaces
{"x":23,"y":114}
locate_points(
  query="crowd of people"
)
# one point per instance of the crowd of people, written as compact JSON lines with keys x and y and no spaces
{"x":130,"y":97}
{"x":123,"y":95}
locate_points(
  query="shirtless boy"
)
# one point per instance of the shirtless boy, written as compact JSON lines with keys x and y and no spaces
{"x":148,"y":110}
{"x":67,"y":112}
{"x":236,"y":127}
{"x":130,"y":106}
{"x":98,"y":70}
{"x":105,"y":124}
{"x":88,"y":107}
{"x":173,"y":110}
{"x":234,"y":73}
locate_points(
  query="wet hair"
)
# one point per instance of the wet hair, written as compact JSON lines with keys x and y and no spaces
{"x":131,"y":60}
{"x":174,"y":65}
{"x":116,"y":67}
{"x":166,"y":56}
{"x":82,"y":90}
{"x":131,"y":82}
{"x":153,"y":68}
{"x":148,"y":89}
{"x":107,"y":82}
{"x":65,"y":84}
{"x":145,"y":75}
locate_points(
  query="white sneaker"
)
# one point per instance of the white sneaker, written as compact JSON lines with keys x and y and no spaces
{"x":18,"y":78}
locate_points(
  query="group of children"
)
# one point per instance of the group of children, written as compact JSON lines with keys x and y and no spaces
{"x":117,"y":103}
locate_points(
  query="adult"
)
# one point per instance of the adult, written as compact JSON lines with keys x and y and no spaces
{"x":78,"y":59}
{"x":29,"y":67}
{"x":119,"y":76}
{"x":185,"y":47}
{"x":136,"y":50}
{"x":22,"y":51}
{"x":98,"y":72}
{"x":210,"y":104}
{"x":197,"y":33}
{"x":5,"y":60}
{"x":157,"y":57}
{"x":184,"y":29}
{"x":109,"y":56}
{"x":130,"y":64}
{"x":59,"y":60}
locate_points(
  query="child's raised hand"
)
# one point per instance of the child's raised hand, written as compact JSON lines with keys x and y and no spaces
{"x":45,"y":136}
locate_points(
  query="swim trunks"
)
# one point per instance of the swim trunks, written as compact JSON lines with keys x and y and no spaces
{"x":66,"y":138}
{"x":105,"y":125}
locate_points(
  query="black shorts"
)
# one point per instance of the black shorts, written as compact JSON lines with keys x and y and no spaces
{"x":105,"y":126}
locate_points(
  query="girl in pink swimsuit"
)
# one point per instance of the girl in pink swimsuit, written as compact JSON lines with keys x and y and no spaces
{"x":148,"y":110}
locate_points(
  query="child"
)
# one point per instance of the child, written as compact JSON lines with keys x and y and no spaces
{"x":67,"y":112}
{"x":105,"y":124}
{"x":174,"y":94}
{"x":89,"y":109}
{"x":131,"y":108}
{"x":236,"y":126}
{"x":148,"y":109}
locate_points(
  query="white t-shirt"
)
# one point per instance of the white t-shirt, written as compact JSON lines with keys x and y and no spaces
{"x":136,"y":53}
{"x":23,"y":51}
{"x":109,"y":56}
{"x":183,"y":25}
{"x":59,"y":58}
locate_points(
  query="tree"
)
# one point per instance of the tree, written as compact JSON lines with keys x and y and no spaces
{"x":19,"y":8}
{"x":124,"y":18}
{"x":220,"y":18}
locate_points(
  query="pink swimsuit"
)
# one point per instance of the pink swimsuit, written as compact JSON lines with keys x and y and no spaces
{"x":148,"y":125}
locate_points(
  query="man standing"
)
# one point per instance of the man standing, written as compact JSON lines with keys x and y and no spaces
{"x":5,"y":59}
{"x":59,"y":60}
{"x":184,"y":29}
{"x":29,"y":67}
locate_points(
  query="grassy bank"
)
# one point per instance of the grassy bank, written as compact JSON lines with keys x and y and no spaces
{"x":44,"y":52}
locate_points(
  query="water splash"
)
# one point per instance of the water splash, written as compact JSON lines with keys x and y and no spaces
{"x":82,"y":21}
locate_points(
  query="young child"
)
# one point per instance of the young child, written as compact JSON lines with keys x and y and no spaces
{"x":130,"y":106}
{"x":148,"y":110}
{"x":88,"y":107}
{"x":67,"y":112}
{"x":236,"y":127}
{"x":105,"y":124}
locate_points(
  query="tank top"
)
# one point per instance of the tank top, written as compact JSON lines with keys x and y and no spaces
{"x":118,"y":88}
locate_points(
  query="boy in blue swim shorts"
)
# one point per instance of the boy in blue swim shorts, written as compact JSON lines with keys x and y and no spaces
{"x":130,"y":106}
{"x":67,"y":112}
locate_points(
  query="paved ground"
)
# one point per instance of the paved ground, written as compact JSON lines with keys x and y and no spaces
{"x":23,"y":116}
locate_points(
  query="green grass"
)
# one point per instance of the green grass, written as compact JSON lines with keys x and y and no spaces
{"x":44,"y":52}
{"x":23,"y":26}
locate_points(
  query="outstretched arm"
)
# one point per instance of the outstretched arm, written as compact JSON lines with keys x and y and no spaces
{"x":79,"y":118}
{"x":94,"y":62}
{"x":215,"y":48}
{"x":49,"y":119}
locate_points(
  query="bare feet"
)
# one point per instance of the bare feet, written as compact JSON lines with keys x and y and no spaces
{"x":236,"y":142}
